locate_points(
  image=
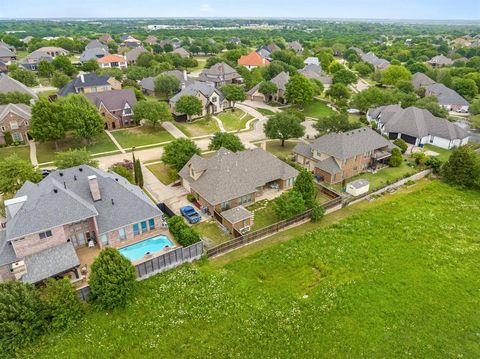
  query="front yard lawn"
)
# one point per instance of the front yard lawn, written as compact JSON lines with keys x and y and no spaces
{"x":141,"y":136}
{"x":164,"y":173}
{"x":265,"y":112}
{"x":234,"y":120}
{"x":317,"y":109}
{"x":394,"y":278}
{"x":22,"y":151}
{"x":275,"y":148}
{"x":443,"y":154}
{"x":199,"y":127}
{"x":211,"y":232}
{"x":46,"y":150}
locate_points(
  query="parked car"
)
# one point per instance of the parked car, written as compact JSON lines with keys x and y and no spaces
{"x":190,"y":214}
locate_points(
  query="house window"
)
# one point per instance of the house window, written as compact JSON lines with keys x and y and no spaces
{"x":245,"y":199}
{"x":224,"y":206}
{"x":17,"y":137}
{"x":14,"y":125}
{"x":104,"y":239}
{"x":3,"y":129}
{"x":127,"y":111}
{"x":290,"y":182}
{"x":144,"y":226}
{"x":45,"y":234}
{"x":151,"y":224}
{"x":136,"y":229}
{"x":121,"y":234}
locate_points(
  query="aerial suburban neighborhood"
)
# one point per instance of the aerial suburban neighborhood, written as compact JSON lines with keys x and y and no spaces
{"x":256,"y":186}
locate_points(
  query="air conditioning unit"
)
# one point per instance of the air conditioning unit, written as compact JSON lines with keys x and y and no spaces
{"x":245,"y":229}
{"x":19,"y":269}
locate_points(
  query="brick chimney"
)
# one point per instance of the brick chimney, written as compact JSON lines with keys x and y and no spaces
{"x":94,"y":188}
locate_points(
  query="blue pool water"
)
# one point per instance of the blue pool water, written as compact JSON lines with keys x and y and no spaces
{"x":138,"y":250}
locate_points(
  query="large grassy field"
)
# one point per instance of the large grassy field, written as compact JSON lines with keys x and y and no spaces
{"x":396,"y":278}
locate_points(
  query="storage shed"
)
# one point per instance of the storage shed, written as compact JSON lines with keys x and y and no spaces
{"x":358,"y":187}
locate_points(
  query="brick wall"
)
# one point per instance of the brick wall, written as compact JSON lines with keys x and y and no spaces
{"x":6,"y":123}
{"x":33,"y":244}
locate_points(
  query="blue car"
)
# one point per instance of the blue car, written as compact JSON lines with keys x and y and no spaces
{"x":190,"y":214}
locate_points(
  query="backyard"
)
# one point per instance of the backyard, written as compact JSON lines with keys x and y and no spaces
{"x":317,"y":109}
{"x":234,"y":120}
{"x":275,"y":147}
{"x":22,"y":151}
{"x":46,"y":150}
{"x":211,"y":232}
{"x":163,"y":172}
{"x":141,"y":136}
{"x":201,"y":127}
{"x":396,"y":277}
{"x":443,"y":154}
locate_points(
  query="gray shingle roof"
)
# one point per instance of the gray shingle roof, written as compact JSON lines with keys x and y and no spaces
{"x":230,"y":175}
{"x":96,"y":44}
{"x":7,"y":254}
{"x":421,"y":80}
{"x":236,"y":214}
{"x":218,"y":73}
{"x":41,"y":210}
{"x":440,"y":60}
{"x":7,"y":84}
{"x":181,"y":51}
{"x":418,"y":123}
{"x":196,"y":87}
{"x":113,"y":100}
{"x":50,"y":262}
{"x":93,"y":54}
{"x":446,"y":96}
{"x":86,"y":80}
{"x":329,"y":165}
{"x":6,"y":52}
{"x":133,"y":54}
{"x":148,"y":83}
{"x":281,"y":80}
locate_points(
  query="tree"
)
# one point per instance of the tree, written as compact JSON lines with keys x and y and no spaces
{"x":475,"y":107}
{"x":267,"y":88}
{"x":112,"y":279}
{"x":15,"y":97}
{"x":283,"y":126}
{"x":371,"y":97}
{"x":393,"y":74}
{"x":90,"y":66}
{"x":82,"y":116}
{"x":400,"y":143}
{"x":338,"y":92}
{"x":305,"y":185}
{"x":47,"y":122}
{"x":233,"y":93}
{"x":344,"y":76}
{"x":14,"y":172}
{"x":137,"y":173}
{"x":74,"y":157}
{"x":289,"y":204}
{"x":63,"y":64}
{"x":317,"y":212}
{"x":463,"y":167}
{"x":396,"y":158}
{"x":430,"y":103}
{"x":124,"y":172}
{"x":45,"y":68}
{"x":22,"y":316}
{"x":178,"y":152}
{"x":299,"y":90}
{"x":25,"y":76}
{"x":418,"y":67}
{"x":465,"y":87}
{"x":182,"y":233}
{"x":189,"y":105}
{"x":60,"y":80}
{"x":230,"y":141}
{"x":167,"y":84}
{"x":153,"y":112}
{"x":363,"y":68}
{"x":62,"y":304}
{"x":405,"y":86}
{"x":337,"y":122}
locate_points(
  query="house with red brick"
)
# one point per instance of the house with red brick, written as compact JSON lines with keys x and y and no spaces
{"x":14,"y":122}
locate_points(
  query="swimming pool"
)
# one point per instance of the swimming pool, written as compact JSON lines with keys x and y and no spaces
{"x":151,"y":245}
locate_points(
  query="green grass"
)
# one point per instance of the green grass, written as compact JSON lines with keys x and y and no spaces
{"x":475,"y":120}
{"x":22,"y":151}
{"x":443,"y":154}
{"x":264,"y":214}
{"x":199,"y":127}
{"x":265,"y":112}
{"x":141,"y":136}
{"x":399,"y":279}
{"x":233,"y":120}
{"x":202,"y":61}
{"x":275,"y":147}
{"x":317,"y":109}
{"x":212,"y":233}
{"x":46,"y":150}
{"x":383,"y":176}
{"x":164,"y":173}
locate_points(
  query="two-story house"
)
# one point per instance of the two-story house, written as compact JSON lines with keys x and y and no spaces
{"x":48,"y":223}
{"x":115,"y":106}
{"x":219,"y":75}
{"x":9,"y":84}
{"x":112,"y":62}
{"x":147,"y":85}
{"x":280,"y":82}
{"x":212,"y":99}
{"x":228,"y":180}
{"x":14,"y":122}
{"x":90,"y":83}
{"x":337,"y":156}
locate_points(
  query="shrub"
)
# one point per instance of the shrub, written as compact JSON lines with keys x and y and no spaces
{"x":434,"y":163}
{"x":182,"y":233}
{"x":420,"y":158}
{"x":112,"y":280}
{"x":396,"y":158}
{"x":123,"y":171}
{"x":289,"y":204}
{"x":400,"y":143}
{"x":62,"y":304}
{"x":21,"y":316}
{"x":317,"y":212}
{"x":191,"y":197}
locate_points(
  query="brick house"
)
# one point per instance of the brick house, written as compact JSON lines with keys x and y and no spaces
{"x":39,"y":241}
{"x":14,"y":120}
{"x":219,"y":75}
{"x":280,"y":81}
{"x":90,"y":83}
{"x":228,"y":180}
{"x":115,"y":106}
{"x":112,"y":62}
{"x":337,"y":156}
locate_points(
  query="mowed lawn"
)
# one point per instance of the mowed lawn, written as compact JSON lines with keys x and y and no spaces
{"x":398,"y":279}
{"x":443,"y":154}
{"x":317,"y":109}
{"x":199,"y":127}
{"x":46,"y":150}
{"x":163,"y":172}
{"x":141,"y":136}
{"x":236,"y":120}
{"x":275,"y":147}
{"x":21,"y":151}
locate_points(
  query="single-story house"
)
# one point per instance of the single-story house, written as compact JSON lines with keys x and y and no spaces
{"x":96,"y":44}
{"x":417,"y":126}
{"x":421,"y":80}
{"x":312,"y":61}
{"x":93,"y":54}
{"x":280,"y":81}
{"x":106,"y":38}
{"x":372,"y":59}
{"x":448,"y":98}
{"x":228,"y":180}
{"x":335,"y":157}
{"x":233,"y":40}
{"x":14,"y":119}
{"x":133,"y":54}
{"x":315,"y":72}
{"x":440,"y":60}
{"x":112,"y":62}
{"x":115,"y":106}
{"x":219,"y":75}
{"x":252,"y":60}
{"x":295,"y":46}
{"x":7,"y":54}
{"x":90,"y":82}
{"x":182,"y":52}
{"x":151,"y":40}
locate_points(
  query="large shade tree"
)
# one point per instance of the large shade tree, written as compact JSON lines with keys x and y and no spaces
{"x":283,"y":126}
{"x":178,"y":152}
{"x":154,"y":112}
{"x":189,"y":105}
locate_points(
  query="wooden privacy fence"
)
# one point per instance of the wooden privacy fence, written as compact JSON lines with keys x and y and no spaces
{"x":267,"y":231}
{"x":160,"y":264}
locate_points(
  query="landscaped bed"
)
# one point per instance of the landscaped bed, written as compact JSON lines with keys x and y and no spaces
{"x":163,"y":172}
{"x":21,"y":151}
{"x":46,"y":150}
{"x":141,"y":136}
{"x":234,"y":120}
{"x":199,"y":127}
{"x":317,"y":109}
{"x":397,"y":277}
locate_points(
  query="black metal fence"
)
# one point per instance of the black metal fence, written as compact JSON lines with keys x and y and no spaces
{"x":165,"y":209}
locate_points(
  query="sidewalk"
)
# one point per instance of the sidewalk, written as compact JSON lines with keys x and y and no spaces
{"x":115,"y":141}
{"x":33,"y":153}
{"x":173,"y":130}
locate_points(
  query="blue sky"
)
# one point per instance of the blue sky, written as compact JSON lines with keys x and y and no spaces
{"x":385,"y":9}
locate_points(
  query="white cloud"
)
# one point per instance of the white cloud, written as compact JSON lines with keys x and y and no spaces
{"x":206,"y":7}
